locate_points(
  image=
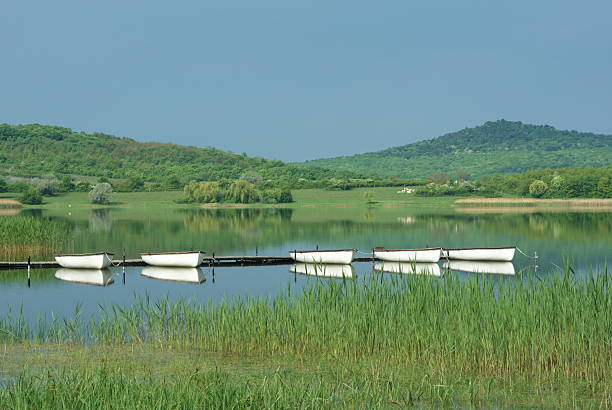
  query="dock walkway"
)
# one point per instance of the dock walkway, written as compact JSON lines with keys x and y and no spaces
{"x":208,"y":261}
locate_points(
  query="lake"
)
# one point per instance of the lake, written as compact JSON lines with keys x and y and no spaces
{"x":555,"y":235}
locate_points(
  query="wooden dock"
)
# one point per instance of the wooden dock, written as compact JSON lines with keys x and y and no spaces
{"x":218,"y":261}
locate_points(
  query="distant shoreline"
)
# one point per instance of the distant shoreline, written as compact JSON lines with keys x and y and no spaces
{"x":575,"y":202}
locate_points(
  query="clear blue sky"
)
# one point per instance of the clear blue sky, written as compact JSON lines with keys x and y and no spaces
{"x":296,"y":80}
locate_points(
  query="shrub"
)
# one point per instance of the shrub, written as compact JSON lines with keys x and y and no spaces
{"x":3,"y":185}
{"x":538,"y":188}
{"x":100,"y":194}
{"x":31,"y":196}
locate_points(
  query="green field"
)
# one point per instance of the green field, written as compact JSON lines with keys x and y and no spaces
{"x":385,"y":196}
{"x":402,"y":342}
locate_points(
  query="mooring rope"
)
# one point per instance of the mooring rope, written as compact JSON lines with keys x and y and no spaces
{"x":535,"y":256}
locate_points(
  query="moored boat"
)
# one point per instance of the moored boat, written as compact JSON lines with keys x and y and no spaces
{"x":335,"y":256}
{"x":99,"y":277}
{"x":99,"y":260}
{"x":323,"y":270}
{"x":173,"y":274}
{"x":432,"y":269}
{"x":496,"y":268}
{"x":502,"y":254}
{"x":425,"y":255}
{"x":191,"y":259}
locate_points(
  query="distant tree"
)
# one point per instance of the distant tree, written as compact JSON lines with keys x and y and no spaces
{"x":538,"y":188}
{"x":172,"y":183}
{"x":19,"y":186}
{"x":100,"y":194}
{"x":604,"y":187}
{"x":103,"y":179}
{"x":47,"y":185}
{"x":3,"y":185}
{"x":83,"y":186}
{"x":66,"y":184}
{"x":205,"y":192}
{"x":243,"y":192}
{"x":462,"y":175}
{"x":438,"y":177}
{"x":135,"y":183}
{"x":32,"y":196}
{"x":285,"y":196}
{"x":251,"y":176}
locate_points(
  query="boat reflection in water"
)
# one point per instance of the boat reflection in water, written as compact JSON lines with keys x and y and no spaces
{"x":496,"y":268}
{"x":432,"y":269}
{"x":323,"y":270}
{"x":99,"y":277}
{"x":188,"y":275}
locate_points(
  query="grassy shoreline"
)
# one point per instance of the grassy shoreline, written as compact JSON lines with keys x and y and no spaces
{"x":404,"y":341}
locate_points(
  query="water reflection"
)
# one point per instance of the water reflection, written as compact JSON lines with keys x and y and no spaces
{"x":496,"y":268}
{"x":323,"y":270}
{"x":100,"y":220}
{"x":409,"y":268}
{"x":99,"y":277}
{"x":188,"y":275}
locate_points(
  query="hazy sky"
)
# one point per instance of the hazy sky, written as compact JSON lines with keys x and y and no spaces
{"x":296,"y":80}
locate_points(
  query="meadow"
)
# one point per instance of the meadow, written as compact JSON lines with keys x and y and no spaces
{"x":395,"y":341}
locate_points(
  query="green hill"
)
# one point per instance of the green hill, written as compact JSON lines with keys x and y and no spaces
{"x":494,"y":147}
{"x":31,"y":150}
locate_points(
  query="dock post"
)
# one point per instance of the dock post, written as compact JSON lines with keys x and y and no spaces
{"x":123,"y":266}
{"x":29,"y":271}
{"x":213,"y":267}
{"x":256,"y":251}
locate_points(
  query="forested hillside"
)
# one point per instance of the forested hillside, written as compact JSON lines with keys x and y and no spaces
{"x":494,"y":147}
{"x":35,"y":149}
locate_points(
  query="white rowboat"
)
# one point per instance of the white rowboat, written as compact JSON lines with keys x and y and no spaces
{"x":85,"y":260}
{"x":432,"y":269}
{"x":338,"y":256}
{"x":99,"y":277}
{"x":496,"y":268}
{"x":191,"y":275}
{"x":323,"y":270}
{"x":191,"y":259}
{"x":480,"y":254}
{"x":426,"y":255}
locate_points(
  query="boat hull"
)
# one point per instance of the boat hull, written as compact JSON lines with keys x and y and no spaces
{"x":98,"y":277}
{"x":340,"y":257}
{"x":496,"y":268}
{"x":90,"y":261}
{"x":480,"y":254}
{"x":408,"y":255}
{"x":432,"y":269}
{"x":323,"y":270}
{"x":173,"y":274}
{"x":178,"y":260}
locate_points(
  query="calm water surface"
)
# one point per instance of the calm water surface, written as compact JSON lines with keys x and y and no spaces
{"x":585,"y":237}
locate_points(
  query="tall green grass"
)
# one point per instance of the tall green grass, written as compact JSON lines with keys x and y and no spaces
{"x":23,"y":236}
{"x":554,"y":326}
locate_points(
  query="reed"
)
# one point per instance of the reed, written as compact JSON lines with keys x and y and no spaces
{"x":553,"y":326}
{"x":23,"y":236}
{"x":281,"y":387}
